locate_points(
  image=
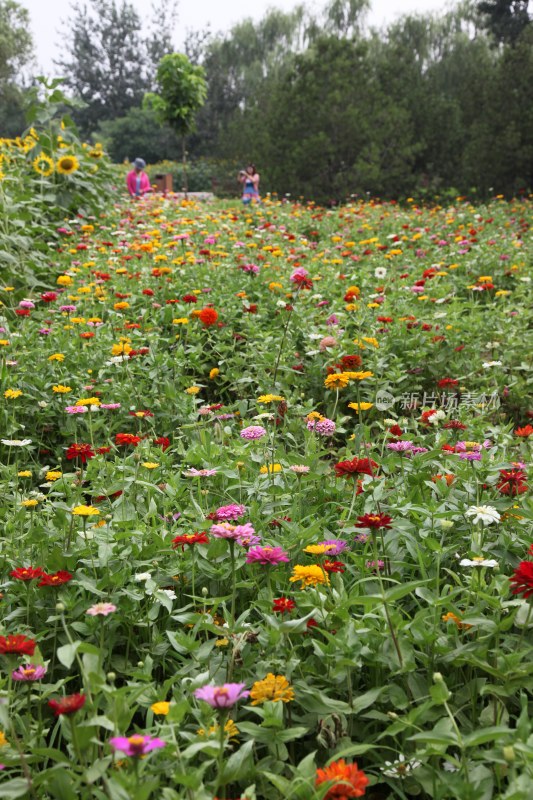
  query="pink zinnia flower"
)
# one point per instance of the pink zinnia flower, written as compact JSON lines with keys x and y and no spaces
{"x":76,"y":409}
{"x":224,"y":530}
{"x":400,"y":447}
{"x":199,"y":473}
{"x":325,"y":427}
{"x":101,"y":609}
{"x":300,"y":469}
{"x":29,"y":672}
{"x":266,"y":555}
{"x":222,"y":696}
{"x":110,"y":406}
{"x":136,"y":745}
{"x":233,"y":511}
{"x":253,"y":432}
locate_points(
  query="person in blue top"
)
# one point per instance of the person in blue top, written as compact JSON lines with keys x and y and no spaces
{"x":250,"y":181}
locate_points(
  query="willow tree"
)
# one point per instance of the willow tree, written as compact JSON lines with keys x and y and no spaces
{"x":182,"y":92}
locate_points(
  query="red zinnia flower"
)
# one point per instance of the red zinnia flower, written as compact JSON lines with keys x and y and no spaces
{"x":349,"y":780}
{"x":334,"y":566}
{"x":363,"y":466}
{"x":350,"y":362}
{"x":208,"y":316}
{"x":140,"y":414}
{"x":17,"y":645}
{"x":103,"y":450}
{"x":190,"y":538}
{"x":523,"y":579}
{"x":57,"y":579}
{"x":82,"y":451}
{"x":454,"y":424}
{"x":49,"y":297}
{"x":374,"y":521}
{"x":189,"y":298}
{"x":445,"y":383}
{"x":283,"y":604}
{"x":524,"y":432}
{"x":163,"y":442}
{"x":26,"y":573}
{"x":22,"y":312}
{"x":396,"y":430}
{"x":67,"y":705}
{"x":512,"y":482}
{"x":127,"y":438}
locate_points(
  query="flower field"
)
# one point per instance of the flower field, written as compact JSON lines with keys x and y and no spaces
{"x":265,"y":505}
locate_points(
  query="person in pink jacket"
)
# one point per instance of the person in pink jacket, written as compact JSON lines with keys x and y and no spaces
{"x":137,"y":180}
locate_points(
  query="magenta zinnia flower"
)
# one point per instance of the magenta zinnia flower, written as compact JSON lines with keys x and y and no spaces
{"x":233,"y":511}
{"x":136,"y":745}
{"x":224,"y":530}
{"x":266,"y":555}
{"x":253,"y":432}
{"x":335,"y":546}
{"x":222,"y":696}
{"x":29,"y":672}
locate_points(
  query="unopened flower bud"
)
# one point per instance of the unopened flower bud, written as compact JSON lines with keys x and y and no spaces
{"x":111,"y":677}
{"x":508,"y":753}
{"x":140,"y":664}
{"x":205,"y":591}
{"x":60,"y":607}
{"x":437,"y":677}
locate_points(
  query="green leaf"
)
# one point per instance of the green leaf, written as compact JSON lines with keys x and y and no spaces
{"x":67,"y":653}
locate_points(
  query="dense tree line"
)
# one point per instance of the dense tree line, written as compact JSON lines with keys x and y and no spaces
{"x":326,"y":106}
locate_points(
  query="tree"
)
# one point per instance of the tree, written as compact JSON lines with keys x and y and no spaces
{"x":182,"y":92}
{"x":138,"y":134}
{"x":505,"y":19}
{"x":110,"y":63}
{"x":16,"y":52}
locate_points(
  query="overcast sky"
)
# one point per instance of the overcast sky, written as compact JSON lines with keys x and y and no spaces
{"x":47,"y":17}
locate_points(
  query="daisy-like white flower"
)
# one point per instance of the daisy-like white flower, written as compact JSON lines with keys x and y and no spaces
{"x":400,"y":768}
{"x":16,"y":442}
{"x":478,"y":561}
{"x":485,"y":514}
{"x":142,"y":576}
{"x":489,"y":364}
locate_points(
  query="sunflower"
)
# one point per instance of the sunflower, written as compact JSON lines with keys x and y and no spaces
{"x":67,"y":165}
{"x":43,"y":164}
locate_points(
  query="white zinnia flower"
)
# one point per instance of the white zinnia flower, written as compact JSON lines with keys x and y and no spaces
{"x":489,"y":364}
{"x":399,"y":768}
{"x":478,"y":561}
{"x":16,"y":442}
{"x":143,"y":576}
{"x":380,"y":272}
{"x":485,"y":514}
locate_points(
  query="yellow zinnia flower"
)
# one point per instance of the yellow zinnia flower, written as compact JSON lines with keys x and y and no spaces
{"x":319,"y":549}
{"x":161,"y":707}
{"x":12,"y":394}
{"x":270,"y":398}
{"x":85,"y":511}
{"x":150,"y":464}
{"x":265,"y":470}
{"x":56,"y":357}
{"x":88,"y":401}
{"x":338,"y":380}
{"x":53,"y":475}
{"x":215,"y":372}
{"x":60,"y":389}
{"x":273,"y":688}
{"x":357,"y":407}
{"x":31,"y":503}
{"x":359,"y":376}
{"x":309,"y":576}
{"x":24,"y":473}
{"x":192,"y":390}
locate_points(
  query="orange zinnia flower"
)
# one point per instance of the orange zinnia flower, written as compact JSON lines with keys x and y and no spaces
{"x":208,"y":316}
{"x":349,"y":780}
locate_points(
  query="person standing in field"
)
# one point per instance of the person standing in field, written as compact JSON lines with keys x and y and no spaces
{"x":250,"y":181}
{"x":137,"y":180}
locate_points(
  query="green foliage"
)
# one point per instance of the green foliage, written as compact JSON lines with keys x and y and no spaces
{"x":111,"y":58}
{"x":46,"y":176}
{"x":16,"y":53}
{"x":505,"y":19}
{"x":182,"y":92}
{"x":138,"y":134}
